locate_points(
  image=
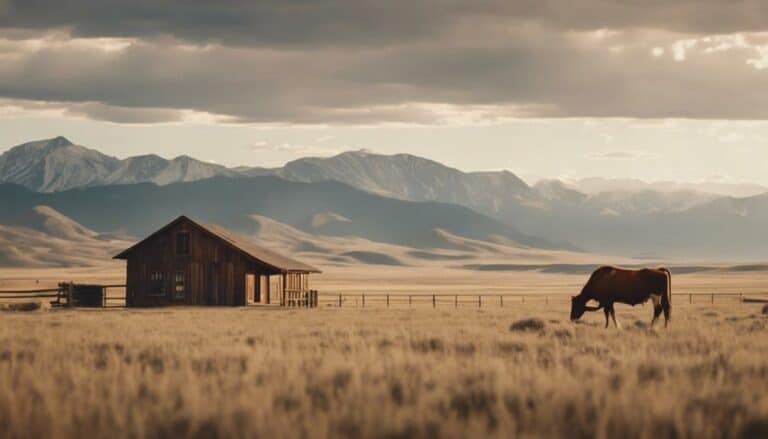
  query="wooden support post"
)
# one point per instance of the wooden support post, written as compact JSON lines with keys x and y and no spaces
{"x":523,"y":299}
{"x":363,"y":296}
{"x":434,"y":303}
{"x":282,"y":288}
{"x":269,"y":290}
{"x":479,"y":301}
{"x":410,"y":301}
{"x":71,"y":294}
{"x":339,"y":300}
{"x":713,"y":298}
{"x":387,"y":300}
{"x":690,"y":298}
{"x":456,"y":301}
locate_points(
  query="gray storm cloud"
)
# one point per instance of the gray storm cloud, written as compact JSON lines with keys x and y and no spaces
{"x":360,"y":22}
{"x":363,"y":62}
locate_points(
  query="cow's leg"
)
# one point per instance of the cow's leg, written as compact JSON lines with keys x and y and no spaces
{"x":613,"y":316}
{"x":656,"y":307}
{"x":607,"y":311}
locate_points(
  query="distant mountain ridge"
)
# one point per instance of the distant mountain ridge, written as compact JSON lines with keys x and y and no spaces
{"x":675,"y":222}
{"x":57,"y":164}
{"x":596,"y":185}
{"x":632,"y":219}
{"x":407,"y":177}
{"x":138,"y":209}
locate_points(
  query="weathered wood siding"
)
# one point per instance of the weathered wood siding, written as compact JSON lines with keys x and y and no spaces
{"x":214,"y":272}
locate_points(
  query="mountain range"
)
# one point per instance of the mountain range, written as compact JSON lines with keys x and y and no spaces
{"x":595,"y":185}
{"x":626,"y":218}
{"x":57,"y":164}
{"x":325,"y":208}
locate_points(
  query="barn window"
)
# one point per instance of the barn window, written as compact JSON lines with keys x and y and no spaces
{"x":179,"y":285}
{"x":182,"y":243}
{"x":156,"y":284}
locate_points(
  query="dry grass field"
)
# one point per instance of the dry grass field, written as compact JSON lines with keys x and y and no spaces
{"x":257,"y":372}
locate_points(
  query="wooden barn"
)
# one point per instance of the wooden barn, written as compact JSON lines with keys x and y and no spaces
{"x":192,"y":263}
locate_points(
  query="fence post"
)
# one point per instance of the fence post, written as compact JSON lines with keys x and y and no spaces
{"x":456,"y":301}
{"x":434,"y":304}
{"x":71,"y":294}
{"x":387,"y":300}
{"x":410,"y":301}
{"x":363,"y":296}
{"x":479,"y":301}
{"x":339,"y":300}
{"x":690,"y":298}
{"x":713,"y":298}
{"x":501,"y":301}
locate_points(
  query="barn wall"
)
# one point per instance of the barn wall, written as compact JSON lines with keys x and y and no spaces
{"x":214,"y":272}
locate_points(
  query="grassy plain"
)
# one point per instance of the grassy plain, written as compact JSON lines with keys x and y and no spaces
{"x":422,"y":372}
{"x":389,"y":373}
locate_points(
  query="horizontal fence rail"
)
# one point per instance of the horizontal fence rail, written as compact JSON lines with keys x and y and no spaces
{"x":313,"y":298}
{"x":67,"y":294}
{"x":500,"y":300}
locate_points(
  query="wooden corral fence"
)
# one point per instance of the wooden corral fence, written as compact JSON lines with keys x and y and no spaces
{"x":300,"y":298}
{"x":443,"y":300}
{"x":70,"y":294}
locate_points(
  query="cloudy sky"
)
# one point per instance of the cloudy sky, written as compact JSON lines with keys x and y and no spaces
{"x":659,"y":89}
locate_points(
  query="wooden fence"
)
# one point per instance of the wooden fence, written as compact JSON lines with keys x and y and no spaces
{"x":299,"y":298}
{"x":500,"y":300}
{"x":66,"y":295}
{"x":71,"y":294}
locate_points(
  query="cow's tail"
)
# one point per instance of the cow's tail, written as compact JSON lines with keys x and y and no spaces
{"x":669,"y":284}
{"x":666,"y":299}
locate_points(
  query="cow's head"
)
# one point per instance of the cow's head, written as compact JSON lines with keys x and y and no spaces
{"x":578,"y":307}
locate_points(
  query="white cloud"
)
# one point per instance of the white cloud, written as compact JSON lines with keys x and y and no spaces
{"x":621,"y":155}
{"x":295,"y":149}
{"x":681,"y":47}
{"x":731,"y":138}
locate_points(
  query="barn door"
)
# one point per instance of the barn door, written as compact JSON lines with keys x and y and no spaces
{"x":179,"y":286}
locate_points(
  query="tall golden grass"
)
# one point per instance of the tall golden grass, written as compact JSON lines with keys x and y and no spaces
{"x":383,"y":373}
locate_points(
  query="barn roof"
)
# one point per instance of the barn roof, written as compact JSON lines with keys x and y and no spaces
{"x":250,"y":249}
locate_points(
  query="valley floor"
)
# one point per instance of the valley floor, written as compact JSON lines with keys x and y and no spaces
{"x":376,"y":372}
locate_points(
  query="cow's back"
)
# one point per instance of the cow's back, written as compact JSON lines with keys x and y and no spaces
{"x":627,"y":286}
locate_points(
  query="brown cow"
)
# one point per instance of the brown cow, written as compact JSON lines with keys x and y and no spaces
{"x":609,"y":285}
